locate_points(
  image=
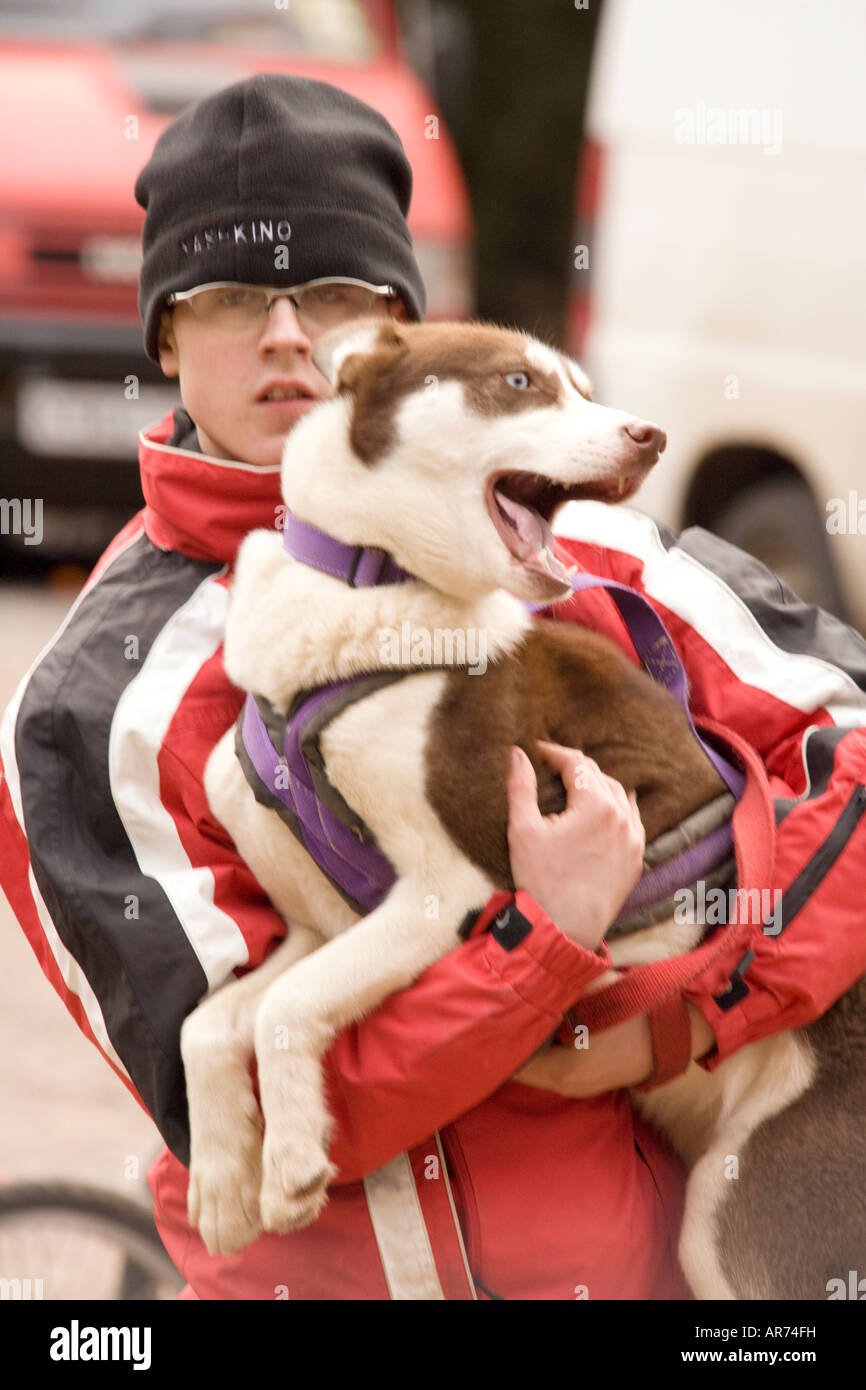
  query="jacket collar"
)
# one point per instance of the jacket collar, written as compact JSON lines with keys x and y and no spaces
{"x":197,"y":504}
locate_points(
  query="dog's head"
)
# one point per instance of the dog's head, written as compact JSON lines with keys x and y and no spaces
{"x":452,"y":445}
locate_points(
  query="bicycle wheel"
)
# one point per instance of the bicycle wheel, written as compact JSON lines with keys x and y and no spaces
{"x":67,"y":1240}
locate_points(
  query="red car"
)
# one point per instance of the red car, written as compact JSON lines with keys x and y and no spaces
{"x":84,"y":92}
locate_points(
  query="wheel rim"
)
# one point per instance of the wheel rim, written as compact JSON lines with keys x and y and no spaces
{"x":56,"y":1254}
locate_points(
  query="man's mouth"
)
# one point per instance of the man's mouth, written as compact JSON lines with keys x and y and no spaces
{"x":285,"y":391}
{"x":522,"y":505}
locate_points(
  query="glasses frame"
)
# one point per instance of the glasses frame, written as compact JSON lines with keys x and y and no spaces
{"x":273,"y":292}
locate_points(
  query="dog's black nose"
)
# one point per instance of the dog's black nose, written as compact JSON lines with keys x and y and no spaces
{"x":650,"y":437}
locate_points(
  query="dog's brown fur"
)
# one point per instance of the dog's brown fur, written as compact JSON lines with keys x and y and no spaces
{"x":379,"y":381}
{"x":572,"y":686}
{"x":812,"y":1156}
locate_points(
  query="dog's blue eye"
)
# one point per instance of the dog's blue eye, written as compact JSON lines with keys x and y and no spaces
{"x":519,"y":380}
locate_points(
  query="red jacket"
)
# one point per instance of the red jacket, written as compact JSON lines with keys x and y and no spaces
{"x":135,"y":902}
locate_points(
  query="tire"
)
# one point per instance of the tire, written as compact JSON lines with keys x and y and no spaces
{"x":70,"y":1241}
{"x":777,"y":521}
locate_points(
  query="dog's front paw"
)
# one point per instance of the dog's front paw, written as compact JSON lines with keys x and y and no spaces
{"x":223,"y":1194}
{"x":294,"y":1183}
{"x":224,"y":1205}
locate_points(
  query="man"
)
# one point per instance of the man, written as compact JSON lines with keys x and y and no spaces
{"x":454,"y":1181}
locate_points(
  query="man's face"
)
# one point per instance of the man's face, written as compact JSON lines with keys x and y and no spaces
{"x":223,"y":377}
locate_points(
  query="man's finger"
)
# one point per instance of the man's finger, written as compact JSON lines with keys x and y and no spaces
{"x":522,"y":790}
{"x":574,"y":767}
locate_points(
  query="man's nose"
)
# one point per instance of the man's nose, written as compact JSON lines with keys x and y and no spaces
{"x":282,"y":328}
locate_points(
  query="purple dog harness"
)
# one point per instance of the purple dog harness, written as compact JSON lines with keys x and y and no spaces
{"x":282,"y":761}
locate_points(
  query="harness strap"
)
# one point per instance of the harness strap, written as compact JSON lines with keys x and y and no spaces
{"x":282,"y":762}
{"x":671,"y":1038}
{"x":708,"y":840}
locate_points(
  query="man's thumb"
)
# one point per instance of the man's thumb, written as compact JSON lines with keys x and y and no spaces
{"x":521,"y":773}
{"x":522,"y":791}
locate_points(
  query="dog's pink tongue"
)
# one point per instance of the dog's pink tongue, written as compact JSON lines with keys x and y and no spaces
{"x":531,"y":540}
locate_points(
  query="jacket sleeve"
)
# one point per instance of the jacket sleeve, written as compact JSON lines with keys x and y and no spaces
{"x":136,"y":902}
{"x":436,"y":1050}
{"x":791,"y":680}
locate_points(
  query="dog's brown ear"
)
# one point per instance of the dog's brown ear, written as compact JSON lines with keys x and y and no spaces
{"x":578,"y":378}
{"x":340,"y":353}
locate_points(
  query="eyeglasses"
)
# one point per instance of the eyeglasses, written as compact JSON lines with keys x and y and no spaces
{"x":319,"y":304}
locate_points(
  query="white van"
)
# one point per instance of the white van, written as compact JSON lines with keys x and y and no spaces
{"x":720,"y":270}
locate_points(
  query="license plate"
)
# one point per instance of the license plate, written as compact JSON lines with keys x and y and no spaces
{"x":87,"y":419}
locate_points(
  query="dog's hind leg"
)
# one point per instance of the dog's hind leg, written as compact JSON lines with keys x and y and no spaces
{"x":303,"y":1010}
{"x":793,"y":1225}
{"x":759,"y":1082}
{"x":217,"y":1045}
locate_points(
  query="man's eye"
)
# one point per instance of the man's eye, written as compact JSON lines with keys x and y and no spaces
{"x":326,"y":294}
{"x":236,"y":299}
{"x":519,"y":380}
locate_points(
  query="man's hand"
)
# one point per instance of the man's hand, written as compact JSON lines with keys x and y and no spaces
{"x":580,"y":865}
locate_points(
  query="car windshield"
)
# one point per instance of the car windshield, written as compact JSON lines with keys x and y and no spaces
{"x":315,"y":28}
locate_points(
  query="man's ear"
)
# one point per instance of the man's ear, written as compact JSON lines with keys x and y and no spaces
{"x":340,"y":353}
{"x":169,"y":359}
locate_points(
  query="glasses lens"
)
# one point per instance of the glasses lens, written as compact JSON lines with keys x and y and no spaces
{"x":238,"y":307}
{"x":229,"y":306}
{"x":326,"y":306}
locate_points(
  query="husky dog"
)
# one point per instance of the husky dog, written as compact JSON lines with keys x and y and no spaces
{"x":450,"y":447}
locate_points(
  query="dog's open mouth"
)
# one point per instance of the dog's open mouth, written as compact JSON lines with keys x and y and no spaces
{"x":521,"y":506}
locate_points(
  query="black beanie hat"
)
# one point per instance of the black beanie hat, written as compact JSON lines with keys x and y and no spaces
{"x":275,"y":180}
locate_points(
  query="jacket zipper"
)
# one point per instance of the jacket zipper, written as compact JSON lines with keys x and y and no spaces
{"x":463,"y":1194}
{"x":798,"y":893}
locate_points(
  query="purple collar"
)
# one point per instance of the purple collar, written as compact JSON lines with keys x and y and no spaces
{"x":361,"y":566}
